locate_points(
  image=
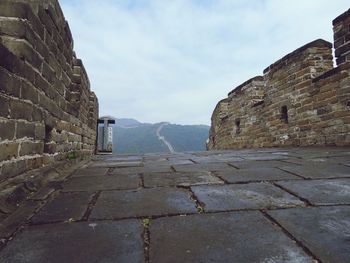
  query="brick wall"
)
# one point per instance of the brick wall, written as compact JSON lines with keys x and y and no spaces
{"x":47,"y":111}
{"x":300,"y":100}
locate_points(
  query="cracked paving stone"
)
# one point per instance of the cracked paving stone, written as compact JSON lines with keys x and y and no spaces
{"x":323,"y":230}
{"x":203,"y":167}
{"x":223,"y":237}
{"x":179,"y":179}
{"x":244,"y":196}
{"x":96,"y":183}
{"x":64,"y":207}
{"x":255,"y":174}
{"x":77,"y":242}
{"x":321,"y":192}
{"x":143,"y":202}
{"x":319,"y":170}
{"x":90,"y":172}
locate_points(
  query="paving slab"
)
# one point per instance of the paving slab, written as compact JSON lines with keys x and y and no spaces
{"x":77,"y":242}
{"x":325,"y":231}
{"x":179,"y":179}
{"x":66,"y":206}
{"x":223,"y":237}
{"x":218,"y":158}
{"x":265,"y":157}
{"x":142,"y":203}
{"x":11,"y":223}
{"x":96,"y":183}
{"x":90,"y":172}
{"x":244,"y":196}
{"x":321,"y":192}
{"x":259,"y":164}
{"x":255,"y":174}
{"x":131,"y":158}
{"x":203,"y":167}
{"x":115,"y":164}
{"x":319,"y":170}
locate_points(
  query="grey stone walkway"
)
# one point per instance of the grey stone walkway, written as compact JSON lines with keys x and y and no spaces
{"x":267,"y":205}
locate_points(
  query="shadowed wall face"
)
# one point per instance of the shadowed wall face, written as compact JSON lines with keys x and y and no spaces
{"x":300,"y":100}
{"x":48,"y":112}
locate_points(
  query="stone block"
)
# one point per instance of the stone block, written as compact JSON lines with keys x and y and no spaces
{"x":7,"y":129}
{"x":39,"y":131}
{"x":5,"y":106}
{"x":13,"y":27}
{"x":23,"y":50}
{"x":9,"y":83}
{"x":25,"y":129}
{"x":34,"y":163}
{"x":21,"y":110}
{"x":30,"y":148}
{"x":8,"y":151}
{"x":9,"y":61}
{"x":29,"y":92}
{"x":13,"y":168}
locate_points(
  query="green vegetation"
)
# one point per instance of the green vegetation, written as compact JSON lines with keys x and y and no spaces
{"x":145,"y":222}
{"x":72,"y":155}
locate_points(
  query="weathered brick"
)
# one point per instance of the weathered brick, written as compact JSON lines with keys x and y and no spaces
{"x":25,"y":129}
{"x":13,"y":27}
{"x":29,"y":92}
{"x":13,"y":168}
{"x":34,"y":163}
{"x":4,"y":106}
{"x":9,"y":61}
{"x":39,"y":132}
{"x":9,"y":84}
{"x":23,"y":50}
{"x":30,"y":148}
{"x":8,"y":150}
{"x":7,"y":129}
{"x":21,"y":110}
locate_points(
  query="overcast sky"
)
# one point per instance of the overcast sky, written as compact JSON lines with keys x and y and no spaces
{"x":173,"y":60}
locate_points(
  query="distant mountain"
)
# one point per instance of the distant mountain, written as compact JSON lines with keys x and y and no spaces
{"x":124,"y":122}
{"x":132,"y":136}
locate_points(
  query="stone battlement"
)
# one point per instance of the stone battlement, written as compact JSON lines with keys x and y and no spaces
{"x":301,"y":100}
{"x":48,"y":113}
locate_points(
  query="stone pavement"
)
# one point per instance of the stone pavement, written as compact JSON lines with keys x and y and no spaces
{"x":266,"y":205}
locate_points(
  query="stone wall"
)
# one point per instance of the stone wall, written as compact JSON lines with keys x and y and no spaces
{"x":300,"y":100}
{"x":47,"y":111}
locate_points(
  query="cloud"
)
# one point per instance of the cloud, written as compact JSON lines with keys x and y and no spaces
{"x":174,"y":60}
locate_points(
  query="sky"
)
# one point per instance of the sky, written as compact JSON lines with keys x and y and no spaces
{"x":173,"y":60}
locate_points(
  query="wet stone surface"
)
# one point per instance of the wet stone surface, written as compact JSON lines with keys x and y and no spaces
{"x":225,"y":237}
{"x":263,"y":205}
{"x":78,"y":242}
{"x":143,"y":202}
{"x":95,"y":183}
{"x":179,"y":179}
{"x":255,"y":174}
{"x":245,"y":196}
{"x":90,"y":172}
{"x":65,"y":207}
{"x":319,"y":170}
{"x":321,"y":192}
{"x":324,"y":230}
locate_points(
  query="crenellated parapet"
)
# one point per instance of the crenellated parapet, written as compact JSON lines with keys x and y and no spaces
{"x":300,"y":100}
